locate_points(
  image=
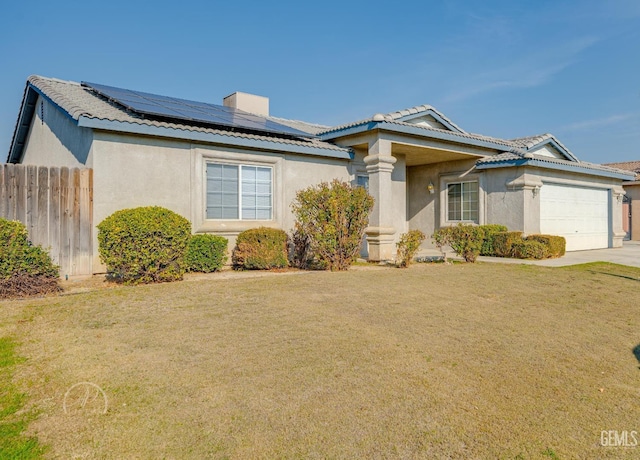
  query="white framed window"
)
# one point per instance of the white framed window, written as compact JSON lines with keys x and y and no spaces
{"x":463,"y":201}
{"x":362,"y":180}
{"x":239,"y":192}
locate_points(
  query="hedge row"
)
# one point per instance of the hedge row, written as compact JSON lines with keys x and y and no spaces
{"x":469,"y":241}
{"x":532,"y":246}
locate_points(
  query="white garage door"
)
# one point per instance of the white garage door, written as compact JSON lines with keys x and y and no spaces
{"x":579,"y":214}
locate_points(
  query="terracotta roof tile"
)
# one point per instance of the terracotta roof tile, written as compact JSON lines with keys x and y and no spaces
{"x":633,"y":166}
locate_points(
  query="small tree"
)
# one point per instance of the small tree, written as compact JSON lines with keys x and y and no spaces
{"x":408,"y":246}
{"x":332,"y":218}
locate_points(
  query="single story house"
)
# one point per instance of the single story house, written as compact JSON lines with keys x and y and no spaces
{"x":631,"y":202}
{"x":231,"y":167}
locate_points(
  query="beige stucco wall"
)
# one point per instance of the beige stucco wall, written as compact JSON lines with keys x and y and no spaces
{"x":423,"y":208}
{"x":506,"y":203}
{"x":300,"y":172}
{"x":131,"y":171}
{"x":56,"y":140}
{"x":633,"y":192}
{"x":506,"y":196}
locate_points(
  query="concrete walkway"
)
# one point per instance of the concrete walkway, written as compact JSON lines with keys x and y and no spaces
{"x":628,"y":254}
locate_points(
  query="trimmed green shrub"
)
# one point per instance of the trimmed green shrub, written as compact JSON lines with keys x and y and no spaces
{"x":261,"y":248}
{"x":529,"y":249}
{"x":487,"y":244}
{"x":206,"y":253}
{"x":465,"y":239}
{"x":503,"y":243}
{"x":144,"y":245}
{"x":24,"y":269}
{"x":408,"y":246}
{"x":332,"y":217}
{"x":556,"y":245}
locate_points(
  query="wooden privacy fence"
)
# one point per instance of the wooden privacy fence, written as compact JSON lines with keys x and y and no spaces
{"x":56,"y":205}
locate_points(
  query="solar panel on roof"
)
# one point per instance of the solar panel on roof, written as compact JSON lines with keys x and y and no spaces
{"x":193,"y":111}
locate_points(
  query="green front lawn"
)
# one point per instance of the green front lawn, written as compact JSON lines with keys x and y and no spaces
{"x":436,"y":361}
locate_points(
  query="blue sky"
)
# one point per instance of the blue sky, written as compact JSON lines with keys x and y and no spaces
{"x":501,"y":68}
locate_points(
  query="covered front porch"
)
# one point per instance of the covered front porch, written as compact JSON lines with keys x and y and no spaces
{"x":421,"y":177}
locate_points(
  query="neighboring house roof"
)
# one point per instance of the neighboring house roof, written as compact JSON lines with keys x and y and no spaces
{"x":633,"y":166}
{"x":90,"y":110}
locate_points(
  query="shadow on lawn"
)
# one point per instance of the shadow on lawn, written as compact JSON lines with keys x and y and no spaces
{"x":615,"y":274}
{"x":636,"y":353}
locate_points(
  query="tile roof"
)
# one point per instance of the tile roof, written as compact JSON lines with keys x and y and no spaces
{"x":419,"y":109}
{"x":79,"y":101}
{"x":531,"y":141}
{"x":311,"y":128}
{"x":427,"y":129}
{"x":520,"y":144}
{"x":633,"y":166}
{"x":516,"y":154}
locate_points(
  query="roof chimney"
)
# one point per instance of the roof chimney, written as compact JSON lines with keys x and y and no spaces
{"x":251,"y":103}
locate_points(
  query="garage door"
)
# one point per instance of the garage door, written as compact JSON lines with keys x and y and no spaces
{"x":579,"y":214}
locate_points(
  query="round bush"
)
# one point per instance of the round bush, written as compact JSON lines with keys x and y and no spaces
{"x":261,"y":248}
{"x":144,"y":245}
{"x":206,"y":253}
{"x":24,"y":269}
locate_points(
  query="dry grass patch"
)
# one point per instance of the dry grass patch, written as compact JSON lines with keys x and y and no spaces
{"x":437,"y":361}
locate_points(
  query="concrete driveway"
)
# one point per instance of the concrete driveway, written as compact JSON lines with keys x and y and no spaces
{"x":629,"y":254}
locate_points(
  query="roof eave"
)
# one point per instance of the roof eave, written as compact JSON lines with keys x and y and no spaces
{"x":23,"y":123}
{"x":216,"y":138}
{"x":411,"y":130}
{"x":437,"y":116}
{"x":569,"y":167}
{"x":556,"y":145}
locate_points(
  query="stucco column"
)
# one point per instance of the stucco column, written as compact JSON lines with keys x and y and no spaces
{"x":380,"y":233}
{"x":618,"y":233}
{"x":528,"y":217}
